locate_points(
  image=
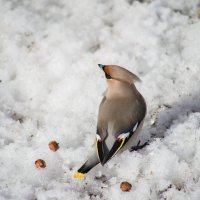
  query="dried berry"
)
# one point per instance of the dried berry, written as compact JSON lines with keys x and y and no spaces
{"x":125,"y":186}
{"x":53,"y":145}
{"x":40,"y":163}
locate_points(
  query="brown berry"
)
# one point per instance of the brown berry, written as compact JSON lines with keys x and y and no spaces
{"x":53,"y":146}
{"x":40,"y":163}
{"x":125,"y":186}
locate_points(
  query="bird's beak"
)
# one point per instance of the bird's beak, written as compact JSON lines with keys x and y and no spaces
{"x":101,"y":66}
{"x":104,"y":154}
{"x":105,"y":71}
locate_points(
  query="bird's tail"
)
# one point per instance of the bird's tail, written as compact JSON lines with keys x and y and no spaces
{"x":87,"y":166}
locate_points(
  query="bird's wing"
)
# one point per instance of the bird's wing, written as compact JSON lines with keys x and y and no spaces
{"x":118,"y":120}
{"x":120,"y":115}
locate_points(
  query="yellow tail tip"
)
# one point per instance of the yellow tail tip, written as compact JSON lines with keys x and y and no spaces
{"x":79,"y":175}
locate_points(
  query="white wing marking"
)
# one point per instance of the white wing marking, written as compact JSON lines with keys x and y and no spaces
{"x":123,"y":135}
{"x":98,"y":137}
{"x":135,"y":127}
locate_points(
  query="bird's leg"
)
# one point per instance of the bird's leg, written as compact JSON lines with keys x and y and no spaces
{"x":137,"y":147}
{"x":87,"y":166}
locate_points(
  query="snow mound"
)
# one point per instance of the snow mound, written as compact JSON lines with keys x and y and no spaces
{"x":51,"y":86}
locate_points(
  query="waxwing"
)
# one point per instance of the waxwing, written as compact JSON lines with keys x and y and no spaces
{"x":120,"y":119}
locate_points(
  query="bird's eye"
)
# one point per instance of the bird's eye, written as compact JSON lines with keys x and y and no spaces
{"x":108,"y":76}
{"x":98,"y":137}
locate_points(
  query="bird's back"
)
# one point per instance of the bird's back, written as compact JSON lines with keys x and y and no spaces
{"x":121,"y":113}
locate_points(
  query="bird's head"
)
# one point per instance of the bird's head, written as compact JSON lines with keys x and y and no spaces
{"x":115,"y":72}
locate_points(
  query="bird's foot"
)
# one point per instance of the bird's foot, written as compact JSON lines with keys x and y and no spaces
{"x":138,"y":146}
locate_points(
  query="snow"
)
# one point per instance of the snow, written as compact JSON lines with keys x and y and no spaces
{"x":51,"y":87}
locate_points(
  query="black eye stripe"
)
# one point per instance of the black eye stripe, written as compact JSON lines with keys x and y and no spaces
{"x":108,"y":76}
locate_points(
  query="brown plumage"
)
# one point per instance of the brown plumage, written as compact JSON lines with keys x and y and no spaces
{"x":121,"y":115}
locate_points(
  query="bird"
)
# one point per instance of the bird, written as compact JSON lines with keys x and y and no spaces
{"x":120,"y":118}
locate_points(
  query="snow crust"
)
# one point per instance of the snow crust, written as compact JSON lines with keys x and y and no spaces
{"x":51,"y":86}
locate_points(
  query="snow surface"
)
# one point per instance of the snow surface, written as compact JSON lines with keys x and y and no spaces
{"x":51,"y":86}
